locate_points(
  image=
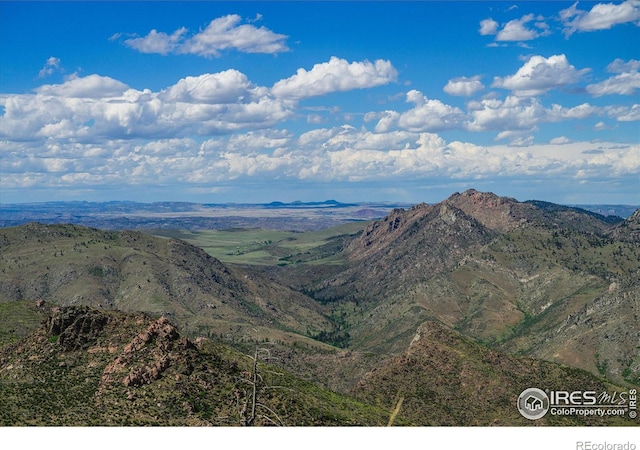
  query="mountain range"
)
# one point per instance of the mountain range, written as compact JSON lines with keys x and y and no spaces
{"x":528,"y":278}
{"x":432,"y":315}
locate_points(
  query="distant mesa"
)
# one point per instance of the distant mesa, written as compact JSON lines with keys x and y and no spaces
{"x":301,"y":204}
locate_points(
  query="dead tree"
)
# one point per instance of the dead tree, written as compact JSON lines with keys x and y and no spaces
{"x":251,"y":408}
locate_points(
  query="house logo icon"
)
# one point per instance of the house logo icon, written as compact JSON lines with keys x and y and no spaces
{"x":533,"y":403}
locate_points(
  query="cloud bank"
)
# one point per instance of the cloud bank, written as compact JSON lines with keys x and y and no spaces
{"x":219,"y":127}
{"x":209,"y":130}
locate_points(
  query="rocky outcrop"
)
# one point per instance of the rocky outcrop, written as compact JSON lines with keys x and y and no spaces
{"x":75,"y":327}
{"x":142,"y":360}
{"x":601,"y":337}
{"x":504,"y":214}
{"x":148,"y":355}
{"x":500,"y":214}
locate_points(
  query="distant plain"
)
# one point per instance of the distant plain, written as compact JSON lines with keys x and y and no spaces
{"x":259,"y":246}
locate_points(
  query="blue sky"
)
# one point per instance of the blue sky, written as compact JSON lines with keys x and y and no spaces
{"x":354,"y":101}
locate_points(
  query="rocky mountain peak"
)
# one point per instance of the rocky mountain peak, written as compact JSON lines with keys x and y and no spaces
{"x":494,"y":212}
{"x":498,"y":214}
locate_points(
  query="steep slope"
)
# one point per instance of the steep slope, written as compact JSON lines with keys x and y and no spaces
{"x":629,"y":229}
{"x":91,"y":367}
{"x":445,"y":379}
{"x":426,"y":240}
{"x":87,"y":366}
{"x":601,"y":337}
{"x":402,"y":248}
{"x":499,"y":271}
{"x":131,"y":271}
{"x":577,"y":293}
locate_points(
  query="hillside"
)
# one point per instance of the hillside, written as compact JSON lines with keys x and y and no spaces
{"x":420,"y":242}
{"x":87,"y":366}
{"x":131,"y":271}
{"x":444,"y":379}
{"x":629,"y":229}
{"x":404,"y":247}
{"x":93,"y":367}
{"x":500,"y":271}
{"x":478,"y":296}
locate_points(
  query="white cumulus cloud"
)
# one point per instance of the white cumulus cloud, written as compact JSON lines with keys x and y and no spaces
{"x":539,"y":75}
{"x":96,"y":107}
{"x":228,"y":86}
{"x":426,"y":115}
{"x":517,"y":30}
{"x":626,"y":82}
{"x":91,"y":86}
{"x":620,"y":66}
{"x":560,"y":140}
{"x":223,"y":33}
{"x":624,"y":114}
{"x":521,"y":115}
{"x":464,"y":86}
{"x":602,"y":16}
{"x":488,"y":27}
{"x":226,"y":33}
{"x":336,"y":75}
{"x":158,"y":42}
{"x":621,"y":84}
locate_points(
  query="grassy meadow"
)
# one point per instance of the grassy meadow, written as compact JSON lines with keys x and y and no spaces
{"x":256,"y":246}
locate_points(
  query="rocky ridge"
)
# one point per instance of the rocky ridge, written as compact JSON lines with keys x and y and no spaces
{"x":86,"y":366}
{"x":500,"y":271}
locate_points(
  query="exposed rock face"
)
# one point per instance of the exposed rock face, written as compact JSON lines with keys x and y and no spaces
{"x":501,"y":271}
{"x":381,"y":232}
{"x":75,"y":327}
{"x":425,"y":240}
{"x":500,"y":214}
{"x":406,"y":246}
{"x":503,"y":214}
{"x":601,"y":337}
{"x":144,"y":358}
{"x":162,"y":346}
{"x":162,"y":332}
{"x":529,"y":278}
{"x":114,"y":368}
{"x":437,"y":237}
